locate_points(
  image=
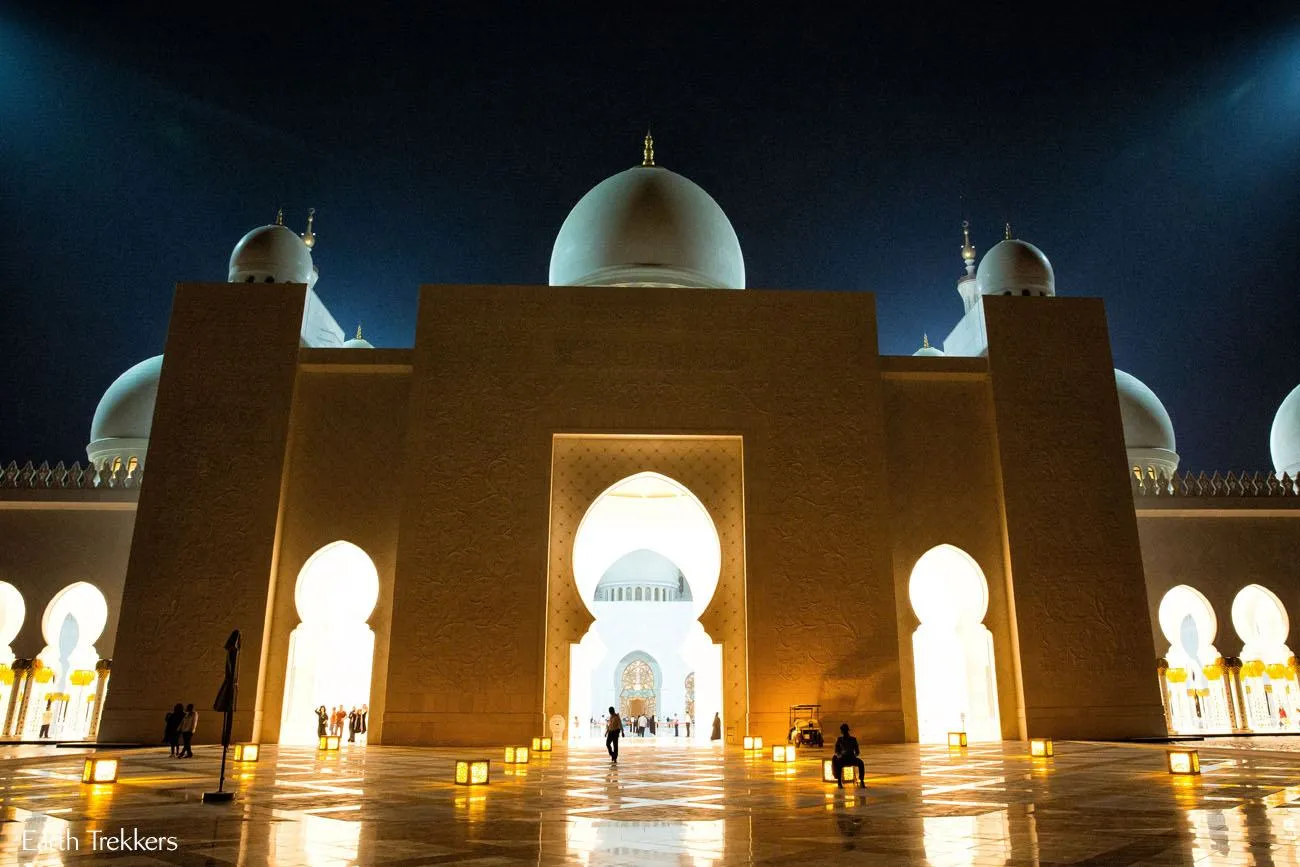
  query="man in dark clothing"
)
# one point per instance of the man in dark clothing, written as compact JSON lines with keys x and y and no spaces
{"x":846,"y":753}
{"x":613,"y":729}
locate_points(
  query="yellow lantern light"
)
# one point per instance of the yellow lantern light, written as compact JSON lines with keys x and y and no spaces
{"x":783,"y":754}
{"x":957,"y":740}
{"x":43,"y":674}
{"x":849,"y":772}
{"x":472,"y":772}
{"x":753,"y":743}
{"x":1276,"y":671}
{"x":516,"y":755}
{"x":1041,"y":748}
{"x":6,"y":675}
{"x":99,"y":770}
{"x":541,"y":745}
{"x":246,"y":752}
{"x":329,"y":742}
{"x":1184,"y":762}
{"x":81,"y":677}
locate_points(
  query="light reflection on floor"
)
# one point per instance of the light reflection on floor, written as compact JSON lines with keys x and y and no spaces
{"x":666,"y":804}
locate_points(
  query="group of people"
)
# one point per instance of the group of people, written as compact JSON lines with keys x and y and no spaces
{"x":332,"y":722}
{"x":178,"y":731}
{"x":615,"y":728}
{"x":641,"y":725}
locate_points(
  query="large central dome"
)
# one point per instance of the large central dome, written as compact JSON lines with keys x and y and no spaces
{"x":647,"y":226}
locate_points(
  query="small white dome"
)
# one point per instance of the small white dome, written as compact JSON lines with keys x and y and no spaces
{"x":1015,"y":267}
{"x":647,"y":226}
{"x":358,"y":343}
{"x":124,"y":416}
{"x":1148,"y":432}
{"x":272,"y":254}
{"x":927,"y":351}
{"x":1284,"y":439}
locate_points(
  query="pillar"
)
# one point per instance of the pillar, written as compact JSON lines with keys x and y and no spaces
{"x":1162,"y":669}
{"x":21,"y":669}
{"x":102,"y":669}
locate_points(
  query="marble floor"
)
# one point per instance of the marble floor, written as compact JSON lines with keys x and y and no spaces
{"x":663,"y":804}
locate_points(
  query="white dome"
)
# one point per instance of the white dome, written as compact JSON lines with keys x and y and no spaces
{"x":358,"y":343}
{"x":271,"y":254}
{"x":125,"y":413}
{"x":1284,"y":439}
{"x":647,"y":226}
{"x":927,"y":351}
{"x":1015,"y":267}
{"x":1148,"y":432}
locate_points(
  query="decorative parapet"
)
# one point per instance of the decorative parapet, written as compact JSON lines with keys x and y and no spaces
{"x":1253,"y":485}
{"x":45,"y":477}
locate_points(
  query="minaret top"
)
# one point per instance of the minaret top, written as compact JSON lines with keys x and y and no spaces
{"x":967,"y":248}
{"x":1007,"y":236}
{"x":279,"y":216}
{"x":648,"y":151}
{"x":309,"y":237}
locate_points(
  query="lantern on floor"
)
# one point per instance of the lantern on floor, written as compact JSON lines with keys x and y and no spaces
{"x":1183,"y":763}
{"x":246,"y":752}
{"x":957,"y":740}
{"x":329,"y":742}
{"x":1041,"y":748}
{"x":516,"y":755}
{"x":849,"y":772}
{"x":472,"y":772}
{"x":99,"y":770}
{"x":541,"y":745}
{"x":753,"y":744}
{"x":783,"y":754}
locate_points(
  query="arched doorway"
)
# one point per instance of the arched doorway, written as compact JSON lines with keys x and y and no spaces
{"x":1268,"y":671}
{"x":952,"y":650}
{"x":332,"y":650}
{"x":1196,"y":688}
{"x":13,"y":611}
{"x":63,"y":689}
{"x":646,"y":561}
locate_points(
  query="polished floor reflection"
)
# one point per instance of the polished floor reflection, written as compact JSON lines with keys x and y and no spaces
{"x":664,"y":803}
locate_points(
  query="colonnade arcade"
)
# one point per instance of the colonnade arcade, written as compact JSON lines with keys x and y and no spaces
{"x":59,"y":693}
{"x":1206,"y":692}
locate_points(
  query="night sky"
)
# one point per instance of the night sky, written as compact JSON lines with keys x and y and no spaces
{"x":1156,"y":160}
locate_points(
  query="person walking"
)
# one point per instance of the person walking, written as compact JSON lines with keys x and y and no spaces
{"x":716,"y":734}
{"x":47,"y":718}
{"x":172,"y":729}
{"x":613,"y":731}
{"x":188,"y":724}
{"x":847,"y":753}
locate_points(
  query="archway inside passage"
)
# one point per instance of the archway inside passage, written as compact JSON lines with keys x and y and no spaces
{"x":1196,"y":688}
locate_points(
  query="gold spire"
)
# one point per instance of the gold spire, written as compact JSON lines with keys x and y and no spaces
{"x":1007,"y":236}
{"x":358,"y":337}
{"x":279,"y":216}
{"x":309,"y":237}
{"x":967,"y":248}
{"x":925,"y":341}
{"x":648,"y":151}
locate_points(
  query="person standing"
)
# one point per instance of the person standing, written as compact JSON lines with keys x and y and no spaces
{"x":654,"y":726}
{"x":363,"y":719}
{"x":688,"y":725}
{"x":641,"y":724}
{"x":172,"y":729}
{"x":847,"y":753}
{"x":716,"y":734}
{"x":352,"y":726}
{"x":322,"y":721}
{"x":188,"y":724}
{"x":677,"y":726}
{"x":613,"y":731}
{"x":47,"y":718}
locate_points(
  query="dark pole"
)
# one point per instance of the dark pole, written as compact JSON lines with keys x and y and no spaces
{"x":226,"y":704}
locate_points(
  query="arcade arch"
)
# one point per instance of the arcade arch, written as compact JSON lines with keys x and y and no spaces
{"x":952,"y":650}
{"x":13,"y":611}
{"x":1268,"y":670}
{"x":63,"y":673}
{"x":1195,"y":682}
{"x":332,"y":649}
{"x":646,"y":562}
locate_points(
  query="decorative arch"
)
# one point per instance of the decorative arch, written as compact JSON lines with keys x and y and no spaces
{"x":1195,"y":682}
{"x":638,"y":683}
{"x":61,"y":694}
{"x":1268,"y":666}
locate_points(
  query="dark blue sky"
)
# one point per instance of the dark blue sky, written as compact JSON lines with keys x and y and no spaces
{"x":1155,"y":158}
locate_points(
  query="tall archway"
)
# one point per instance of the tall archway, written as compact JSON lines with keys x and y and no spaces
{"x":646,"y":532}
{"x":332,"y":650}
{"x":1268,"y":670}
{"x":639,"y":685}
{"x":952,"y":650}
{"x":63,"y":693}
{"x":13,"y":611}
{"x":1196,"y":690}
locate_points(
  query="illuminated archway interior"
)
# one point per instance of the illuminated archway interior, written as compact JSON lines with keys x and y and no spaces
{"x":13,"y":611}
{"x":64,"y":686}
{"x":956,"y":682}
{"x":646,"y":560}
{"x":1196,"y":689}
{"x":331,"y":651}
{"x":1268,"y":674}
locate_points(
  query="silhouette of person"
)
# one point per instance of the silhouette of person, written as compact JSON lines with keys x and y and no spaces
{"x":847,"y":753}
{"x":613,"y":730}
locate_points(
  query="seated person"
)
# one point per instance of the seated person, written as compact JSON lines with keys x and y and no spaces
{"x":846,"y":753}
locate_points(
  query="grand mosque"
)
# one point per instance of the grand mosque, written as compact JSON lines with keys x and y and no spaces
{"x":641,"y":484}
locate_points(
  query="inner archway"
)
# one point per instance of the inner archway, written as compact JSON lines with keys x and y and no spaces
{"x":952,"y":650}
{"x":63,"y":693}
{"x":331,"y":651}
{"x":646,"y":561}
{"x":1268,"y":674}
{"x":1196,"y":690}
{"x":13,"y":611}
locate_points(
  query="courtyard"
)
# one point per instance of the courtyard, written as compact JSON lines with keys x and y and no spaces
{"x":664,"y":803}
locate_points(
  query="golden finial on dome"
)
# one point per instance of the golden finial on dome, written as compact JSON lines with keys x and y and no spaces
{"x":967,"y":248}
{"x":309,"y":237}
{"x":925,"y":340}
{"x":1007,"y":236}
{"x":279,"y":216}
{"x":358,"y":337}
{"x":648,"y":150}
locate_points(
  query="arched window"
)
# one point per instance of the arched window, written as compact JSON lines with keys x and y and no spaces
{"x":638,"y":594}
